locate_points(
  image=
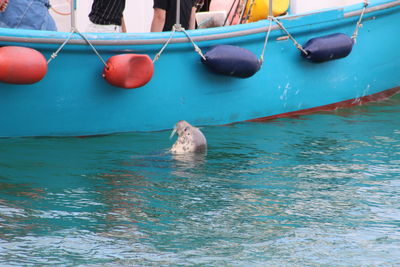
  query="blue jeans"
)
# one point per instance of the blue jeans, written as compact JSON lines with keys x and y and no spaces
{"x":28,"y":14}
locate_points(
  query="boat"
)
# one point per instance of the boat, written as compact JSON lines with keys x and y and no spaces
{"x":74,"y":99}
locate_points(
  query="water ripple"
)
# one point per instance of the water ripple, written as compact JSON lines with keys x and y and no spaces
{"x":318,"y":190}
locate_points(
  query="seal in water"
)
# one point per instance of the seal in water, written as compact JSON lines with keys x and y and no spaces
{"x":190,"y":139}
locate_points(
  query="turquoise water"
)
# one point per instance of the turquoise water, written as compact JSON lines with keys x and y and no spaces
{"x":316,"y":190}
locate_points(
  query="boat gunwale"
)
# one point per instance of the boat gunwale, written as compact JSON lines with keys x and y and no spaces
{"x":144,"y":40}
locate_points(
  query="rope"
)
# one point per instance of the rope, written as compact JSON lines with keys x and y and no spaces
{"x":157,"y":56}
{"x":55,"y":54}
{"x":196,"y":48}
{"x":93,"y":48}
{"x":73,"y":30}
{"x":290,"y":36}
{"x":355,"y":34}
{"x":175,"y":28}
{"x":266,"y":39}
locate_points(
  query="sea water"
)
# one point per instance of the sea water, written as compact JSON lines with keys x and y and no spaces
{"x":315,"y":190}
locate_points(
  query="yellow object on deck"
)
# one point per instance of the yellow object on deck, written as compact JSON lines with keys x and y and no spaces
{"x":259,"y":9}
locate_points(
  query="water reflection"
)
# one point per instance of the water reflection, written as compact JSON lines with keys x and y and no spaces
{"x":320,"y":190}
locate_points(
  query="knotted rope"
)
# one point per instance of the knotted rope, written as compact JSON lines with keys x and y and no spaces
{"x":266,"y":39}
{"x":179,"y":28}
{"x":358,"y":26}
{"x":299,"y":46}
{"x":74,"y":30}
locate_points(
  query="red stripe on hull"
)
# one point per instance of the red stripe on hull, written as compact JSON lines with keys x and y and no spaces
{"x":344,"y":104}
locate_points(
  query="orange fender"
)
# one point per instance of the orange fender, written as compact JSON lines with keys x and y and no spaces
{"x":129,"y":70}
{"x":21,"y":65}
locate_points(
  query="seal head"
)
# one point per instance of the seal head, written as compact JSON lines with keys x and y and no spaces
{"x":190,"y":139}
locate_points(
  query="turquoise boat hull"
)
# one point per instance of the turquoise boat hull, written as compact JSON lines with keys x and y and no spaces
{"x":74,"y":100}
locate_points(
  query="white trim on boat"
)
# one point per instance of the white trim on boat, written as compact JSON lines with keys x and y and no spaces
{"x":142,"y":40}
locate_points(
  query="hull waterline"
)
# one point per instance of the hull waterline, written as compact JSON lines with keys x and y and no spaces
{"x":74,"y":100}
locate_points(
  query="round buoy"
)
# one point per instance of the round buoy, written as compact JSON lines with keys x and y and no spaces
{"x":129,"y":70}
{"x":21,"y":65}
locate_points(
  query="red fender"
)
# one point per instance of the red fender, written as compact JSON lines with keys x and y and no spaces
{"x":21,"y":65}
{"x":129,"y":70}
